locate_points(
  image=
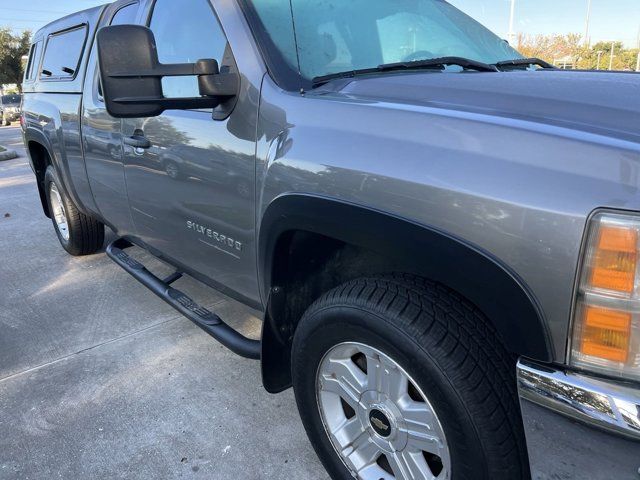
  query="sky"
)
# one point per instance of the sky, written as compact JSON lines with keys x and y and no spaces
{"x":33,"y":14}
{"x":610,"y":19}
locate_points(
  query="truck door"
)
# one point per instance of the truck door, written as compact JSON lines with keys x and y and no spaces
{"x":191,"y":192}
{"x":102,"y":139}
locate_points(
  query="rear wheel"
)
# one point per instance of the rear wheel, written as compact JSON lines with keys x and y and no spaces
{"x":79,"y":234}
{"x":399,"y":378}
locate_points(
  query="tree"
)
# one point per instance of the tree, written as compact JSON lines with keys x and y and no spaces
{"x":552,"y":48}
{"x":622,"y":59}
{"x":12,"y":49}
{"x":571,"y":50}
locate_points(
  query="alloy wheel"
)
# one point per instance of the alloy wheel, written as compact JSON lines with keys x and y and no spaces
{"x":58,"y":211}
{"x":379,"y":421}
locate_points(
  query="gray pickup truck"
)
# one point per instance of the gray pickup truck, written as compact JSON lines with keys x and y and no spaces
{"x":443,"y":235}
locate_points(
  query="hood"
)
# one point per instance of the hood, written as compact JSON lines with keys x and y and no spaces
{"x":602,"y":103}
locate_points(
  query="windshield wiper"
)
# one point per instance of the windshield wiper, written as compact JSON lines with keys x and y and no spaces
{"x":440,"y":63}
{"x":432,"y":63}
{"x":525,"y":62}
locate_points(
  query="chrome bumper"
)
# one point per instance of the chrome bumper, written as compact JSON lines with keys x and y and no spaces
{"x":603,"y":444}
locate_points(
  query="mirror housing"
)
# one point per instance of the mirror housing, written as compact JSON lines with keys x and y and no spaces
{"x":131,"y":75}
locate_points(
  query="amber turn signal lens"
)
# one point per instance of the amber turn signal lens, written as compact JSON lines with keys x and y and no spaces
{"x":614,"y":260}
{"x":606,"y":334}
{"x":606,"y":328}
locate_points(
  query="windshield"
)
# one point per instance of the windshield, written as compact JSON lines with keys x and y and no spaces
{"x":10,"y":99}
{"x":333,"y":36}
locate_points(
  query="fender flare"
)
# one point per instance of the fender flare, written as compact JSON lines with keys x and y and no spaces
{"x":33,"y":135}
{"x":37,"y":136}
{"x":426,"y":251}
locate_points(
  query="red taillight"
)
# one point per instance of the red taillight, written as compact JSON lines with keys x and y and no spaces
{"x":23,"y":122}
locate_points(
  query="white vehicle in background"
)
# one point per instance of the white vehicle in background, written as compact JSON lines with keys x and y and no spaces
{"x":10,"y":108}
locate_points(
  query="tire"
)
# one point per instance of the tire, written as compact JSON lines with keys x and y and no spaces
{"x":83,"y":235}
{"x":454,"y":365}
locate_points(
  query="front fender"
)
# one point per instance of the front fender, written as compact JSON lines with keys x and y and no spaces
{"x":419,"y":249}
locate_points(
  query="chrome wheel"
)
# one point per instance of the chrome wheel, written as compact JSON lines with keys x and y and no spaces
{"x":380,"y":423}
{"x":58,"y":212}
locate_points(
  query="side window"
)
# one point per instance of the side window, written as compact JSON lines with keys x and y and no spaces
{"x":185,"y":32}
{"x":62,"y":53}
{"x":126,"y":15}
{"x":34,"y":60}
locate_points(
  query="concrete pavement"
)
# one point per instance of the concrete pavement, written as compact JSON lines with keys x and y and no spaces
{"x":11,"y":140}
{"x":100,"y":379}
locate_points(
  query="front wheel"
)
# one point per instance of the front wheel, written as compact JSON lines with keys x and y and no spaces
{"x":399,"y":378}
{"x":79,"y":234}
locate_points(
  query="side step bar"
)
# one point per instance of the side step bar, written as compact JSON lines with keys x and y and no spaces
{"x":203,"y":318}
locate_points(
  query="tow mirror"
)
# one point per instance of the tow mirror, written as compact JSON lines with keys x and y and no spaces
{"x":131,"y":75}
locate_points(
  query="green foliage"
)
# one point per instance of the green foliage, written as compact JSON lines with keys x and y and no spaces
{"x":623,"y":59}
{"x":12,"y":49}
{"x":571,"y":50}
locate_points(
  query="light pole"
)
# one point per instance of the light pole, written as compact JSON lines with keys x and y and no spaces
{"x":613,"y":44}
{"x":638,"y":63}
{"x":512,"y":34}
{"x":587,"y":40}
{"x":600,"y":52}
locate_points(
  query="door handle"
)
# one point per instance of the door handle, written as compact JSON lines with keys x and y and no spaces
{"x":137,"y":140}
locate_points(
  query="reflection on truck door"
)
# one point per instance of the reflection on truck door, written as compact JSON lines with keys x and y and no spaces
{"x":192,"y":191}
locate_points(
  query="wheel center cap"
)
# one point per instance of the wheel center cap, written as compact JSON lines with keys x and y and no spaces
{"x":380,"y":423}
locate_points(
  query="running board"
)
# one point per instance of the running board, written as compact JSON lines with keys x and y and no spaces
{"x":203,"y":318}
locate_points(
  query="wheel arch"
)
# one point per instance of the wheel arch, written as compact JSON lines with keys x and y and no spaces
{"x":330,"y":241}
{"x":40,"y":155}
